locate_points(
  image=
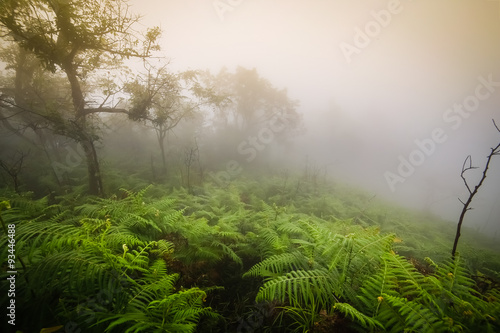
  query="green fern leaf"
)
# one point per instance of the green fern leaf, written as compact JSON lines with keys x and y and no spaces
{"x":351,"y":312}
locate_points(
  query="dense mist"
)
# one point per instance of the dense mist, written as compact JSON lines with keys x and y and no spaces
{"x":372,"y":78}
{"x":390,"y":96}
{"x":250,"y":166}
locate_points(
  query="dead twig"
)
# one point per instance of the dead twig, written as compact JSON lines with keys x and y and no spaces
{"x":472,"y":192}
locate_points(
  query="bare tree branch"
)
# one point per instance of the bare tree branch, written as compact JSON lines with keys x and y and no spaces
{"x":14,"y":168}
{"x":494,"y":151}
{"x":464,"y":169}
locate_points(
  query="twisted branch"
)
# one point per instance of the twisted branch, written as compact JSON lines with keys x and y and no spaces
{"x":472,"y":193}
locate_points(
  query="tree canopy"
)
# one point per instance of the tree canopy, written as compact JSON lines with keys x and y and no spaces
{"x":77,"y":37}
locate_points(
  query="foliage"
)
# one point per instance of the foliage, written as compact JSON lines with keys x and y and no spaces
{"x":108,"y":250}
{"x":173,"y":261}
{"x":77,"y":38}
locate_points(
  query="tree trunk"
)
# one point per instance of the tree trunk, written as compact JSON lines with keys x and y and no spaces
{"x":94,"y":174}
{"x":84,"y":137}
{"x":163,"y":158}
{"x":161,"y":142}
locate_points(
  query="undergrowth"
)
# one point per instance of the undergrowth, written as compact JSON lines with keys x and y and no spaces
{"x":252,"y":256}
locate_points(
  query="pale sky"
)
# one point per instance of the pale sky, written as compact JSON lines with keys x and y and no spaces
{"x":364,"y":108}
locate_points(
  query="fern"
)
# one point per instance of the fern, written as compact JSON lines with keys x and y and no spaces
{"x":444,"y":302}
{"x":357,"y":316}
{"x":77,"y":271}
{"x":302,"y":317}
{"x":311,"y":287}
{"x":322,"y":266}
{"x":156,"y":307}
{"x":411,"y":281}
{"x":45,"y":237}
{"x":453,"y":276}
{"x":278,"y":264}
{"x":228,"y":252}
{"x":417,"y":317}
{"x":384,"y":282}
{"x":117,"y":265}
{"x":273,"y":243}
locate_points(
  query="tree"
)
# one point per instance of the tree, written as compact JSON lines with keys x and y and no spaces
{"x":472,"y":192}
{"x":33,"y":102}
{"x":162,"y":100}
{"x":14,"y":168}
{"x":78,"y":37}
{"x":253,"y":99}
{"x":256,"y":114}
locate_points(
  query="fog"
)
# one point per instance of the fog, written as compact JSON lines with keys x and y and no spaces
{"x":250,"y":165}
{"x":373,"y":78}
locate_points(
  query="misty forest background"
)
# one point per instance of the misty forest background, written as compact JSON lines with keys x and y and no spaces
{"x":140,"y":199}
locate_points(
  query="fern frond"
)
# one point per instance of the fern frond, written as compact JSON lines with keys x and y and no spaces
{"x":228,"y":252}
{"x":278,"y":264}
{"x":78,"y":272}
{"x":164,"y":204}
{"x":384,"y":282}
{"x":137,"y":259}
{"x":169,"y":220}
{"x":119,"y":235}
{"x":156,"y":271}
{"x":156,"y":308}
{"x":139,"y":223}
{"x":48,"y":236}
{"x":301,"y":288}
{"x":390,"y":317}
{"x":365,"y":321}
{"x":410,"y":279}
{"x":292,"y":228}
{"x":315,"y":232}
{"x":454,"y":277}
{"x":273,"y":242}
{"x":417,"y":317}
{"x":162,"y":247}
{"x":28,"y":206}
